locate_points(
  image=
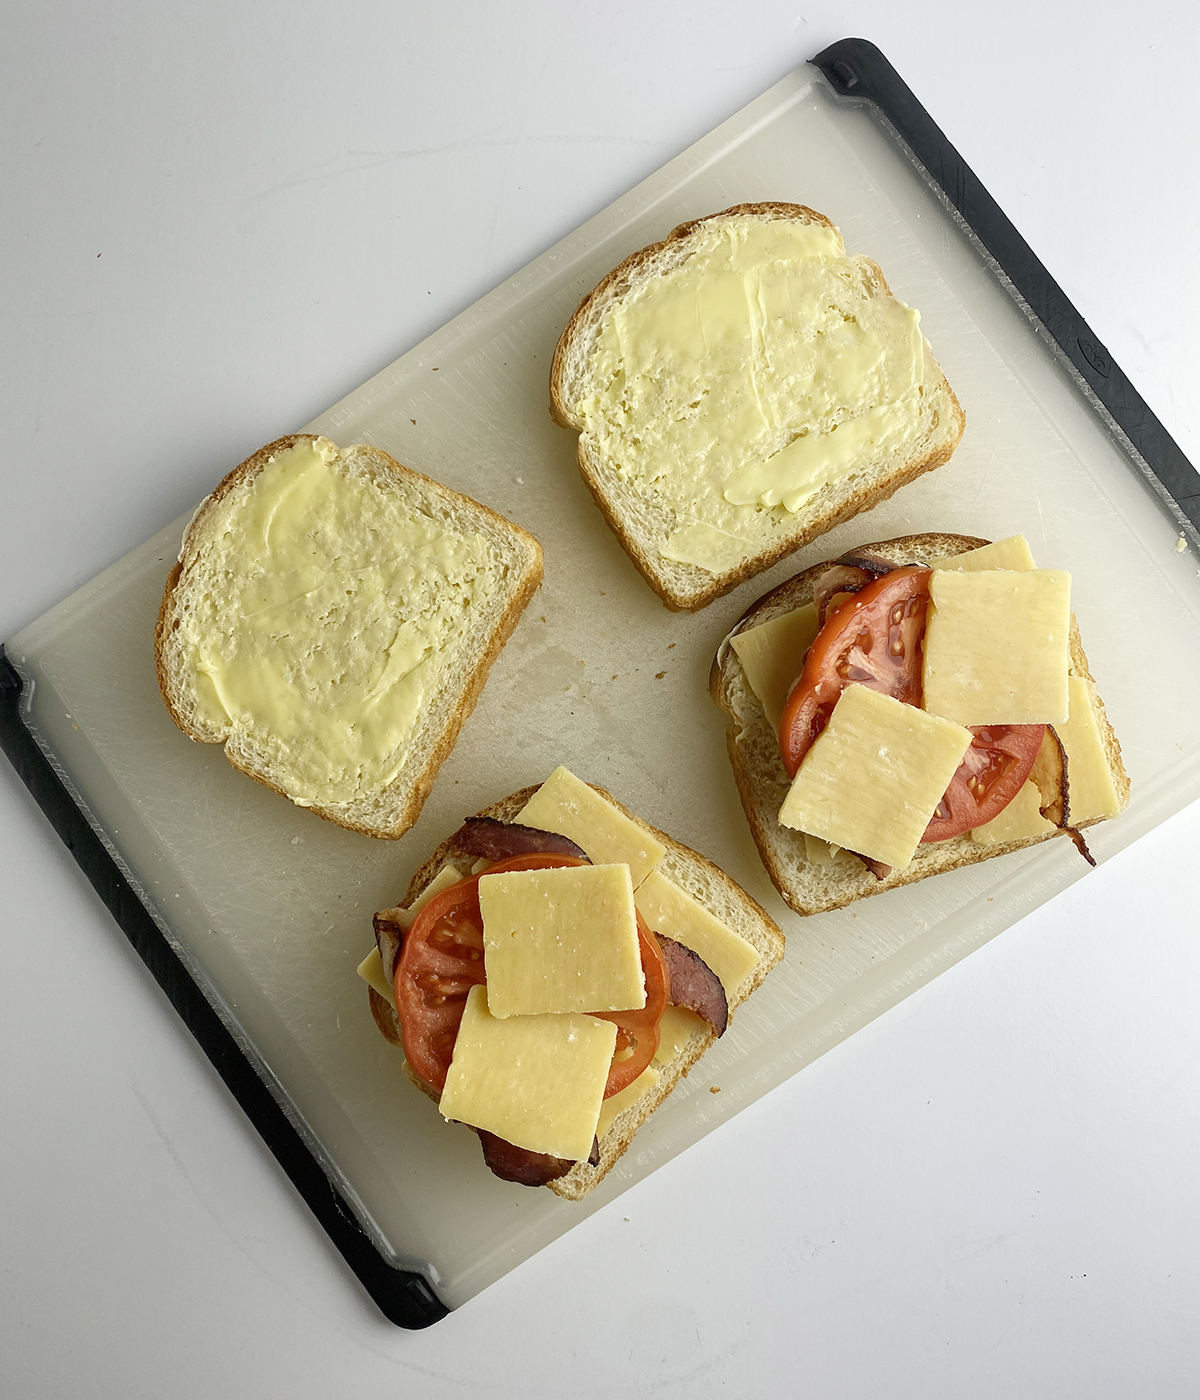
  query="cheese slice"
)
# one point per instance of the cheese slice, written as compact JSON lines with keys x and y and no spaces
{"x":818,"y":852}
{"x":1020,"y":820}
{"x":1092,"y":793}
{"x":997,"y":646}
{"x":772,"y":655}
{"x":372,"y":973}
{"x":1012,"y":553}
{"x":675,"y":1030}
{"x":874,"y":775}
{"x":675,"y":914}
{"x":561,"y":940}
{"x":536,"y":1081}
{"x":371,"y":968}
{"x":610,"y":1108}
{"x":567,"y":805}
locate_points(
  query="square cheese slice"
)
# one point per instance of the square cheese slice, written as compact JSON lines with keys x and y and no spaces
{"x":1020,"y":820}
{"x":561,"y":940}
{"x":674,"y":913}
{"x":565,"y":804}
{"x":1012,"y":553}
{"x":772,"y":655}
{"x":1092,"y":793}
{"x":536,"y":1081}
{"x":997,"y":646}
{"x":873,"y":777}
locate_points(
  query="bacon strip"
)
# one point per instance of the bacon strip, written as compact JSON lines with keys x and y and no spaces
{"x":694,"y":984}
{"x":490,"y":839}
{"x":525,"y":1168}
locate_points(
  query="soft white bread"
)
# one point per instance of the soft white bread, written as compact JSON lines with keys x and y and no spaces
{"x":762,"y":781}
{"x":708,"y":885}
{"x":806,"y":339}
{"x":332,"y":620}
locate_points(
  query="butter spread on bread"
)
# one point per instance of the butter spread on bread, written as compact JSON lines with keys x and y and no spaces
{"x":331,"y":622}
{"x":740,"y":388}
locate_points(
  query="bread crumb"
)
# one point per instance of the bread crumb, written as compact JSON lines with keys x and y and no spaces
{"x":714,"y":1088}
{"x":297,"y":840}
{"x":672,"y":646}
{"x":1181,"y":543}
{"x":660,"y":675}
{"x":413,"y":421}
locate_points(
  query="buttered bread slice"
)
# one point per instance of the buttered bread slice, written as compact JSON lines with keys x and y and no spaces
{"x":741,"y":388}
{"x":332,"y":620}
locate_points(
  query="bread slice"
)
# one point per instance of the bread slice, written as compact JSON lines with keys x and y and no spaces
{"x":710,"y":887}
{"x":812,"y":888}
{"x":350,"y":610}
{"x":650,"y":474}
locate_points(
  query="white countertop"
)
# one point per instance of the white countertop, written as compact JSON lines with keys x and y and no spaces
{"x":990,"y":1191}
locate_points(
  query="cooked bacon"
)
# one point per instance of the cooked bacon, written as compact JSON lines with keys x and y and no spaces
{"x":390,"y":927}
{"x":876,"y":867}
{"x":694,"y":984}
{"x":525,"y":1168}
{"x":1080,"y":844}
{"x":1050,"y":775}
{"x":849,"y":574}
{"x":490,"y":839}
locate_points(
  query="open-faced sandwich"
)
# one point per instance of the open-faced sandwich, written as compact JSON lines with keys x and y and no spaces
{"x":911,"y":707}
{"x":332,"y":620}
{"x":742,"y":387}
{"x":554,"y":970}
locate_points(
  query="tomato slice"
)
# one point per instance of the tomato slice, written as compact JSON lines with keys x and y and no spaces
{"x":873,"y":639}
{"x":638,"y":1032}
{"x":442,"y":959}
{"x":1000,"y":759}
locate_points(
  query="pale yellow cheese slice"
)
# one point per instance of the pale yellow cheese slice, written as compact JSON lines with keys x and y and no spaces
{"x":561,"y":940}
{"x":1012,"y":553}
{"x":1018,"y":821}
{"x":997,"y":646}
{"x":567,"y":805}
{"x":818,"y":852}
{"x":873,"y":777}
{"x":676,"y":1028}
{"x":371,"y":967}
{"x":535,"y":1081}
{"x":772,"y":656}
{"x":674,"y":913}
{"x":610,"y":1108}
{"x":1091,"y":790}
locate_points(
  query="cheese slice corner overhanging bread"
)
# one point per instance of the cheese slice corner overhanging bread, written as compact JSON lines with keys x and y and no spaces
{"x":662,"y":871}
{"x":741,"y":388}
{"x":331,"y":621}
{"x":810,"y":875}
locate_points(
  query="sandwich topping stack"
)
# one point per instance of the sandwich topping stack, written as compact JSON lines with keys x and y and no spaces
{"x":912,"y":707}
{"x":558,"y":966}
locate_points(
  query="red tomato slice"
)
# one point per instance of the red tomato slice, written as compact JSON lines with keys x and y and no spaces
{"x":442,"y":959}
{"x":873,"y":639}
{"x":1000,"y":759}
{"x":638,"y":1032}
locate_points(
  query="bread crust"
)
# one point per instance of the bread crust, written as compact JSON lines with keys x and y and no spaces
{"x":759,"y":774}
{"x":409,"y":790}
{"x":680,"y":863}
{"x":687,"y":587}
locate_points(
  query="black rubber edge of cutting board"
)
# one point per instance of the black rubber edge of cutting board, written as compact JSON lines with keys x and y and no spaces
{"x":403,"y":1296}
{"x":858,"y":71}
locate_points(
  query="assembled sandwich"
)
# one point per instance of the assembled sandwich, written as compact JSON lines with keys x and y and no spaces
{"x":555,"y":969}
{"x":914,"y":706}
